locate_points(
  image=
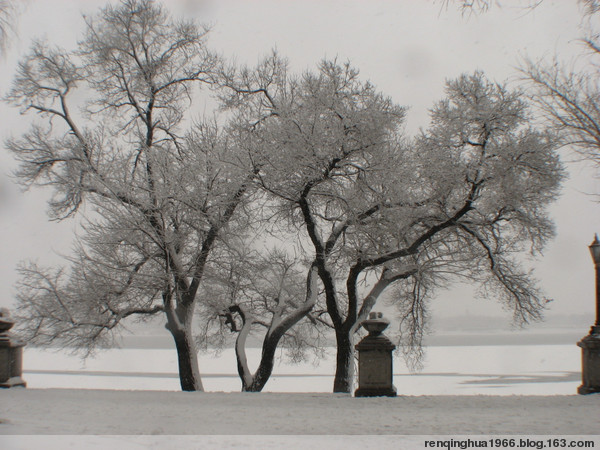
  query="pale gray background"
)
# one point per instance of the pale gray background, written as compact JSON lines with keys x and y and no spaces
{"x":406,"y":48}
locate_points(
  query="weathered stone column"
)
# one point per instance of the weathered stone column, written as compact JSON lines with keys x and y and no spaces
{"x":590,"y":344}
{"x":590,"y":363}
{"x":11,"y":354}
{"x":375,"y":361}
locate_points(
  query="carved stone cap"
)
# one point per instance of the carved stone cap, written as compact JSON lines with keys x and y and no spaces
{"x":375,"y":324}
{"x":6,"y":323}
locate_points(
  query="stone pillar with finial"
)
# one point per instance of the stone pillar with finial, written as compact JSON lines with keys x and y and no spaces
{"x":375,"y":360}
{"x":11,"y":354}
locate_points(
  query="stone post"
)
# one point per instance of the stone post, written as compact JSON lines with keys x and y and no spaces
{"x":590,"y":344}
{"x":590,"y":364}
{"x":375,"y":374}
{"x":11,"y":354}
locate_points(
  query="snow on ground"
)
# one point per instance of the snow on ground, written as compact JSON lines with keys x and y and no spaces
{"x":73,"y":411}
{"x":127,"y":398}
{"x":454,"y":370}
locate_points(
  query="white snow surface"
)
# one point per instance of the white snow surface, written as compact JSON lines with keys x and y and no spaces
{"x":70,"y":403}
{"x":451,"y":370}
{"x":110,"y":412}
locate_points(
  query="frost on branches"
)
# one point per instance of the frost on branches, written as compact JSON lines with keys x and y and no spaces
{"x":113,"y":135}
{"x":381,"y":211}
{"x":175,"y":212}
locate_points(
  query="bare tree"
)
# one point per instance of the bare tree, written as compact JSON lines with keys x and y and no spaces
{"x":483,"y":6}
{"x":469,"y":6}
{"x":4,"y":21}
{"x":7,"y":19}
{"x":569,"y":98}
{"x":378,"y":210}
{"x":159,"y":192}
{"x":479,"y":6}
{"x":570,"y":101}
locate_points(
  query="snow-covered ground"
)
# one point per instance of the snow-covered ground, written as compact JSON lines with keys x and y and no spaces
{"x":448,"y":370}
{"x":127,"y":398}
{"x":74,"y":411}
{"x":222,"y":419}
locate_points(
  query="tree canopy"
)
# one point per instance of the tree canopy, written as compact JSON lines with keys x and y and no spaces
{"x":379,"y":209}
{"x":171,"y":204}
{"x":161,"y":188}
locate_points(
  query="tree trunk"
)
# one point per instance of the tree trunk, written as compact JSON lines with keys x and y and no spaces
{"x":179,"y":323}
{"x":187,"y":360}
{"x":279,"y":326}
{"x":265,"y":368}
{"x":344,"y":372}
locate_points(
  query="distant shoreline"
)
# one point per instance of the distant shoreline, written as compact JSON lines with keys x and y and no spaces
{"x":459,"y":339}
{"x":439,"y":340}
{"x":474,"y":370}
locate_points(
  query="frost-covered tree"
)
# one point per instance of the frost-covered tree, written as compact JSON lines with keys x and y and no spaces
{"x":156,"y":195}
{"x":567,"y":93}
{"x":376,"y":210}
{"x":268,"y":295}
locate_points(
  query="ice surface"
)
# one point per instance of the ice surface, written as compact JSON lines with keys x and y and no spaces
{"x":472,"y":370}
{"x":447,"y":398}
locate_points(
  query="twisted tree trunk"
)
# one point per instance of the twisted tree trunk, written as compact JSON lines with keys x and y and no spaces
{"x":279,"y":326}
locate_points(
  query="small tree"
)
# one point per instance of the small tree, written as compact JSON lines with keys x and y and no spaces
{"x":267,"y":295}
{"x":379,"y":210}
{"x":160,"y":197}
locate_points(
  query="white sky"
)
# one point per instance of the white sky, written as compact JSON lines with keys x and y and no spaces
{"x":407,"y":48}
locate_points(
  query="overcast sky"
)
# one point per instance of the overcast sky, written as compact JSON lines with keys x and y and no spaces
{"x":406,"y":48}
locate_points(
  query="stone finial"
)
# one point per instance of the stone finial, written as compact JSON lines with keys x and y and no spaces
{"x":375,"y":324}
{"x":6,"y":323}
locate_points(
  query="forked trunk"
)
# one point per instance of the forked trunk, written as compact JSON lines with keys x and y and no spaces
{"x":255,"y":382}
{"x":279,"y":326}
{"x":265,"y":368}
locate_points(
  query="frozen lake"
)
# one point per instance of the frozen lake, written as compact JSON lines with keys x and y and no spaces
{"x":448,"y":370}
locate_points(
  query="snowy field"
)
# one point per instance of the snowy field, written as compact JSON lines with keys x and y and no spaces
{"x":448,"y":370}
{"x":223,"y":420}
{"x":121,"y":399}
